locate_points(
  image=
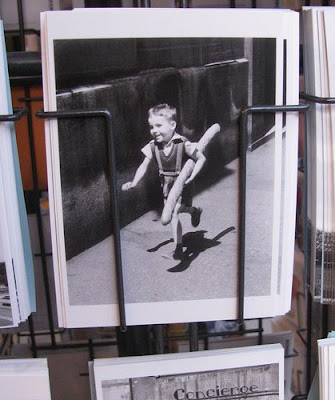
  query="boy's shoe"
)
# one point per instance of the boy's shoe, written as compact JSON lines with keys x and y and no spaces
{"x":195,"y":217}
{"x":177,"y":254}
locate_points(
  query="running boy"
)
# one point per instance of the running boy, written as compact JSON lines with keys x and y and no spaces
{"x":171,"y":151}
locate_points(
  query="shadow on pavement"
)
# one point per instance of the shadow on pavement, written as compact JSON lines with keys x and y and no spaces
{"x":159,"y":246}
{"x":196,"y":243}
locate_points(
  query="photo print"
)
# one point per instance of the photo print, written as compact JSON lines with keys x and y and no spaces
{"x":252,"y":372}
{"x":178,"y":209}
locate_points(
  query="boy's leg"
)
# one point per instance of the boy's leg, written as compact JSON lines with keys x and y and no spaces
{"x":195,"y":213}
{"x":177,"y":233}
{"x":186,"y":205}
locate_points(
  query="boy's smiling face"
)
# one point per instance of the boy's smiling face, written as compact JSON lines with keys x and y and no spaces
{"x":161,"y":128}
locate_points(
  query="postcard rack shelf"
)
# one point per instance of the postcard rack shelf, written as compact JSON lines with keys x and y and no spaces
{"x":194,"y":335}
{"x":126,"y":335}
{"x":116,"y":223}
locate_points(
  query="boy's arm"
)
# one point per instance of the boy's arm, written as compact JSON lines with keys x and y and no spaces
{"x":200,"y":160}
{"x":140,"y":172}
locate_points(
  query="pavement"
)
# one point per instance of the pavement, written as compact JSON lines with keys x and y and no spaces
{"x":210,"y":264}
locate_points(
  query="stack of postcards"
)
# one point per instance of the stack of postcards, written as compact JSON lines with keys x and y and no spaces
{"x":326,"y":374}
{"x":285,"y":338}
{"x":251,"y":372}
{"x":17,"y":292}
{"x":319,"y":62}
{"x":207,"y":65}
{"x":25,"y":379}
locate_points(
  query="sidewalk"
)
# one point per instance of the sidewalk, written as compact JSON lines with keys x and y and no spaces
{"x":209,"y":269}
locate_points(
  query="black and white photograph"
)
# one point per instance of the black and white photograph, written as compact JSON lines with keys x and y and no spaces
{"x":175,"y":104}
{"x":231,"y":374}
{"x":254,"y":382}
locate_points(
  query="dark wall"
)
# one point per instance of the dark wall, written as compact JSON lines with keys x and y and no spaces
{"x":264,"y":67}
{"x":82,"y":61}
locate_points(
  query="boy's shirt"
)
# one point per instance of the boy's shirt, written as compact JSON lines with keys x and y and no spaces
{"x":189,"y":147}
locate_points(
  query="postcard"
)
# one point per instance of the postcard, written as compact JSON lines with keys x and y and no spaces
{"x":219,"y":374}
{"x":168,"y":87}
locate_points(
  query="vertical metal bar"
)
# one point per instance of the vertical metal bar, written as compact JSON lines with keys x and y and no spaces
{"x":260,"y":331}
{"x":116,"y":221}
{"x":36,"y":199}
{"x":306,"y":250}
{"x":309,"y":341}
{"x":304,"y":207}
{"x":159,"y":339}
{"x":243,"y":148}
{"x":91,"y":349}
{"x":32,"y":336}
{"x":21,"y":25}
{"x":146,"y":3}
{"x":115,"y":208}
{"x":324,"y":327}
{"x":242,"y":206}
{"x":193,"y":336}
{"x":182,"y":3}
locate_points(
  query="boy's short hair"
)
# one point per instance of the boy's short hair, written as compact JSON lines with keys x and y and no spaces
{"x":164,"y":110}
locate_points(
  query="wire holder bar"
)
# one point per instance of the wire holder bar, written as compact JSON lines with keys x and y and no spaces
{"x":18,"y":113}
{"x":105,"y":114}
{"x":243,"y":153}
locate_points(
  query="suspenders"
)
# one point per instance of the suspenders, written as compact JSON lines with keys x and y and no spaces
{"x":179,"y":159}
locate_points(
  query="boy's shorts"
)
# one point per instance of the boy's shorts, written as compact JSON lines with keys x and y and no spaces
{"x":186,"y":196}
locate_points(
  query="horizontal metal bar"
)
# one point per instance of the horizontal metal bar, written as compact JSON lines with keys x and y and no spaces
{"x":317,"y":99}
{"x":275,"y":108}
{"x":18,"y":113}
{"x":74,"y":345}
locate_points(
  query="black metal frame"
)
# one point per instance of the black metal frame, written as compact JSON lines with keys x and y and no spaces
{"x":18,"y":113}
{"x":244,"y":142}
{"x":193,"y":336}
{"x":105,"y":114}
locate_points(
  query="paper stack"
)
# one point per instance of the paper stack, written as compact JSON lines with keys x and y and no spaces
{"x":209,"y":71}
{"x":254,"y":372}
{"x":326,"y":369}
{"x":17,"y":293}
{"x":25,"y":379}
{"x":319,"y":61}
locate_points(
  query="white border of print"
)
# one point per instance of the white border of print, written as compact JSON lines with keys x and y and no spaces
{"x":183,"y":363}
{"x":146,"y":23}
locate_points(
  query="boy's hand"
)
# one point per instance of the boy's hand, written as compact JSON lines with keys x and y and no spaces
{"x":126,"y":186}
